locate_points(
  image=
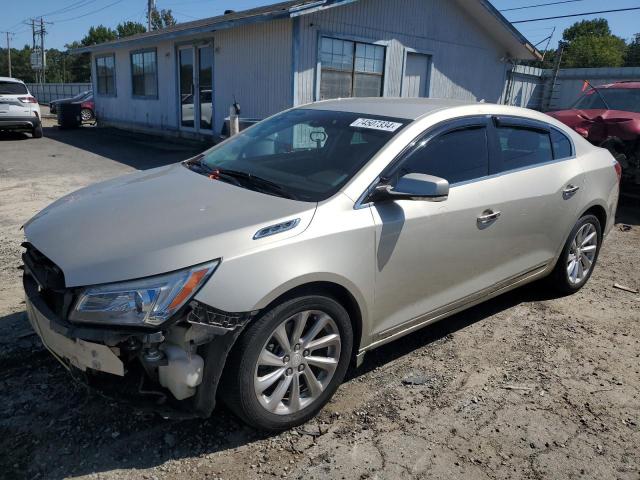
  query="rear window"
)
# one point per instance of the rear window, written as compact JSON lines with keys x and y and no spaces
{"x":523,"y":147}
{"x":12,"y":88}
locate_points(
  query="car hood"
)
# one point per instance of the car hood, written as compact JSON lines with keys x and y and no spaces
{"x":156,"y":221}
{"x":598,"y":125}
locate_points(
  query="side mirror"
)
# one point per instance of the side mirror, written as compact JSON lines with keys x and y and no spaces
{"x":414,"y":186}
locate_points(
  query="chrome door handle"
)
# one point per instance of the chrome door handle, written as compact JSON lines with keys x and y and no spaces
{"x":569,"y":190}
{"x":488,"y":216}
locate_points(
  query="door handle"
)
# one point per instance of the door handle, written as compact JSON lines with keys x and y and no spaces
{"x":569,"y":190}
{"x":488,"y":216}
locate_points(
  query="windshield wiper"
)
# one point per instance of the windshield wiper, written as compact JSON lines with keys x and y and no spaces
{"x":238,"y":177}
{"x":248,"y":179}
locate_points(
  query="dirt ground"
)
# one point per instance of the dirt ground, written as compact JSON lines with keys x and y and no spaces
{"x":523,"y":386}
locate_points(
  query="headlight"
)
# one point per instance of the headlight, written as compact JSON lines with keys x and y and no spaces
{"x":149,"y":301}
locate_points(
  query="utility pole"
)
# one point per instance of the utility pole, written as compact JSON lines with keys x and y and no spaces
{"x":8,"y":50}
{"x":44,"y":68}
{"x":151,"y":6}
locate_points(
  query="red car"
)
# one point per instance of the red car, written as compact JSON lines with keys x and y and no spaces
{"x":88,"y":108}
{"x":609,"y":116}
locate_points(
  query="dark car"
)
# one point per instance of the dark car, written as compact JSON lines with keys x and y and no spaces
{"x":78,"y":98}
{"x":609,"y":116}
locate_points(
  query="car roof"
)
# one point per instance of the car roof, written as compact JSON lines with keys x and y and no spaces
{"x":407,"y":108}
{"x":10,"y":79}
{"x":630,"y":84}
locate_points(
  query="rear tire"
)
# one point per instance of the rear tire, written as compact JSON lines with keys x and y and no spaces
{"x":86,"y":114}
{"x":314,"y":371}
{"x":578,"y":258}
{"x":37,"y":132}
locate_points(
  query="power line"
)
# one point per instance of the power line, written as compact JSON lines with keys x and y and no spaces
{"x":90,"y":13}
{"x":576,"y":15}
{"x":540,"y":5}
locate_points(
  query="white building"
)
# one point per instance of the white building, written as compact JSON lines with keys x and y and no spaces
{"x":182,"y":80}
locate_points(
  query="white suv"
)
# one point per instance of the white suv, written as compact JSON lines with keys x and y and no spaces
{"x":19,"y":110}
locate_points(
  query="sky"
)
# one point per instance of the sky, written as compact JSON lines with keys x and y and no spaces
{"x":70,"y":19}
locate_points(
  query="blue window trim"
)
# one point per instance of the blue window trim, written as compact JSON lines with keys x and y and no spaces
{"x":135,"y":52}
{"x":115,"y":83}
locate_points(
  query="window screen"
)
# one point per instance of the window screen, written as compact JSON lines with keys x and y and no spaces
{"x":523,"y":147}
{"x":350,"y":69}
{"x":144,"y":74}
{"x":456,"y":156}
{"x":561,"y":145}
{"x":105,"y":75}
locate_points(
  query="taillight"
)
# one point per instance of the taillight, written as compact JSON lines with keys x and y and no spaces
{"x":618,"y":168}
{"x":28,"y":99}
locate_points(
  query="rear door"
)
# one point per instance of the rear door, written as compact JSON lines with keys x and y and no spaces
{"x":538,"y":186}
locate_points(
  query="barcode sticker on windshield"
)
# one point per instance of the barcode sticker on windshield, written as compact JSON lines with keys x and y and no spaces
{"x":374,"y":124}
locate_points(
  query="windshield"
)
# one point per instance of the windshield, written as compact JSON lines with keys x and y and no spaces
{"x":13,"y":88}
{"x":625,"y":99}
{"x":309,"y":154}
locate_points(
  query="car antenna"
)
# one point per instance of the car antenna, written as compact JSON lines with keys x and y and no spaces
{"x":599,"y":94}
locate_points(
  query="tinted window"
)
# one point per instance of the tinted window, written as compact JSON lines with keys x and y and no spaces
{"x":561,"y":145}
{"x":456,"y":156}
{"x":309,"y":153}
{"x":522,"y":147}
{"x":13,"y":88}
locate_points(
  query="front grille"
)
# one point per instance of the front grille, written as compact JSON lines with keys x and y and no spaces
{"x":49,"y":278}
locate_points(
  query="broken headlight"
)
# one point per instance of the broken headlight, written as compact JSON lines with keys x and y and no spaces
{"x":148,"y":301}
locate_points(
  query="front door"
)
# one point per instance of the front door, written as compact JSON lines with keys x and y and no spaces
{"x":433,"y":254}
{"x":195,"y":78}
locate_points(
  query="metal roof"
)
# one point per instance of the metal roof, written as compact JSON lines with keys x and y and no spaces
{"x":495,"y":24}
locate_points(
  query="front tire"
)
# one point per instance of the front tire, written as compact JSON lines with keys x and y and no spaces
{"x":578,"y":257}
{"x":37,"y":132}
{"x":288,"y":364}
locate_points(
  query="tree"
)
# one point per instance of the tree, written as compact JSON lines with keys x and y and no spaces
{"x":586,"y":52}
{"x":162,"y":19}
{"x":598,"y":27}
{"x":590,"y":43}
{"x":126,"y":29}
{"x":632,"y":56}
{"x":99,"y":34}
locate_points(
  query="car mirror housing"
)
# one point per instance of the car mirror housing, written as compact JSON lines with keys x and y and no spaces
{"x":413,"y":186}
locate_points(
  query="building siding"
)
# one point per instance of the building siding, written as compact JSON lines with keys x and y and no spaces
{"x":252,"y":64}
{"x":466,"y":63}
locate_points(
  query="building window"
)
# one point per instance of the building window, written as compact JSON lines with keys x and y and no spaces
{"x":350,"y":69}
{"x":105,"y":75}
{"x":144,"y":74}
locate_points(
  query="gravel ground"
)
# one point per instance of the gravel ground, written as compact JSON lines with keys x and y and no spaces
{"x":523,"y":386}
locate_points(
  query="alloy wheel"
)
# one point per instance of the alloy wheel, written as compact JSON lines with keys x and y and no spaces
{"x":297,"y":362}
{"x":582,"y":253}
{"x":86,"y":114}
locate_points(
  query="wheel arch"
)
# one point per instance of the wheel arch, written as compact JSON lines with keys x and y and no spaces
{"x":599,"y":212}
{"x":338,"y":291}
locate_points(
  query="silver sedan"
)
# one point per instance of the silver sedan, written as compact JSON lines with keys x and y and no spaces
{"x":259,"y":270}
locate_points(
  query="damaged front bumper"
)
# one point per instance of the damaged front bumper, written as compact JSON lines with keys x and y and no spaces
{"x":182,"y":361}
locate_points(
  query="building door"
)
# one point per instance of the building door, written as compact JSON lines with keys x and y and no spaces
{"x":416,"y":75}
{"x":195,"y":78}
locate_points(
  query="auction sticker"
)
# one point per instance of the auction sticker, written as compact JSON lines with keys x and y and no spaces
{"x":374,"y":124}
